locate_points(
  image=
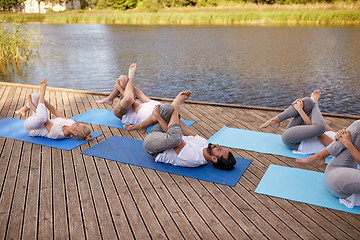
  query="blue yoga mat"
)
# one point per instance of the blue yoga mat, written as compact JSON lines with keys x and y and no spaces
{"x":301,"y":186}
{"x":14,"y":129}
{"x":131,"y":151}
{"x":254,"y":141}
{"x":107,"y":118}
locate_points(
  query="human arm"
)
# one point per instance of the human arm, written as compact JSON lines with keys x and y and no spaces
{"x":31,"y":104}
{"x":180,"y":147}
{"x":344,"y":137}
{"x":159,"y":119}
{"x":298,"y":105}
{"x":53,"y":110}
{"x":336,"y":147}
{"x":185,"y":130}
{"x":139,"y":94}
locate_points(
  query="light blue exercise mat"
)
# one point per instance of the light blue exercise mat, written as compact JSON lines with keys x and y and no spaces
{"x":14,"y":129}
{"x":254,"y":141}
{"x":300,"y":185}
{"x":131,"y":151}
{"x":107,"y":118}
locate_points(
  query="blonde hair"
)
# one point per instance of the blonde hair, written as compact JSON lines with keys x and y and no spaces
{"x":119,"y":112}
{"x":84,"y":133}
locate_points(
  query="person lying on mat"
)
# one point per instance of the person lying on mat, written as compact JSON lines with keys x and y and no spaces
{"x":39,"y":125}
{"x":304,"y":134}
{"x":128,"y":110}
{"x":171,"y":141}
{"x":342,"y":177}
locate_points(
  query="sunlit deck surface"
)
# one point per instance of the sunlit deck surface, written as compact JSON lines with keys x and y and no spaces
{"x":48,"y":193}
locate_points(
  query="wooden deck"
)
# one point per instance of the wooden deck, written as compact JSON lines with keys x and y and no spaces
{"x":47,"y":193}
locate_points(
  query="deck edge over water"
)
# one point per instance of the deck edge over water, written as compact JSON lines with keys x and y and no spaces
{"x":188,"y":101}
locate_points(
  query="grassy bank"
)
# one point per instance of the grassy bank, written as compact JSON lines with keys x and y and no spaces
{"x":250,"y":14}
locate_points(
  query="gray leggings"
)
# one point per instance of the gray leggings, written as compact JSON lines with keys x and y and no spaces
{"x":157,"y":141}
{"x":341,"y":175}
{"x":297,"y":131}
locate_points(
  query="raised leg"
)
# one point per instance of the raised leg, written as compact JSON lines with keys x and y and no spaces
{"x":128,"y":95}
{"x":40,"y":117}
{"x":158,"y":141}
{"x":293,"y":136}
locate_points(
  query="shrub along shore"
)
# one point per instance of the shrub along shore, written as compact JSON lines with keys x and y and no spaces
{"x":249,"y":14}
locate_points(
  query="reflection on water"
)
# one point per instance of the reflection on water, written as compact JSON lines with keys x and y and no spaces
{"x":266,"y":66}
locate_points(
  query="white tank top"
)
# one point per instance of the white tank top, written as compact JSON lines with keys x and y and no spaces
{"x":56,"y":131}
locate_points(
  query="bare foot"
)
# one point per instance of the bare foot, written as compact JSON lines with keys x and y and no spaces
{"x":43,"y":85}
{"x":272,"y":122}
{"x":313,"y":158}
{"x":105,"y":100}
{"x":315,"y":95}
{"x":22,"y":111}
{"x":132,"y":70}
{"x":136,"y":126}
{"x":181,"y":97}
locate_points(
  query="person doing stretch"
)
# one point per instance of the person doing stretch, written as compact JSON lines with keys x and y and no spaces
{"x":40,"y":125}
{"x":128,"y":110}
{"x":342,"y":177}
{"x":171,"y":141}
{"x":306,"y":131}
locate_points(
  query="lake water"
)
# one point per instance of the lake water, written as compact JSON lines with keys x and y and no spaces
{"x":265,"y":66}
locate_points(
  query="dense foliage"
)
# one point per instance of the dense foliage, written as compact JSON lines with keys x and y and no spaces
{"x":154,"y":5}
{"x":10,"y":4}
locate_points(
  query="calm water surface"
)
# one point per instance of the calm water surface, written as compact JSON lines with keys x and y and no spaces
{"x":266,"y":66}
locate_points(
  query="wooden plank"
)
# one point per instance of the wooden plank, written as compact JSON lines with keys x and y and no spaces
{"x":18,"y":207}
{"x":4,"y":101}
{"x":134,"y":218}
{"x":115,"y":208}
{"x":6,"y":198}
{"x":5,"y":161}
{"x":45,"y":207}
{"x":91,"y":223}
{"x":60,"y":219}
{"x":131,"y":211}
{"x":162,"y":215}
{"x":150,"y":220}
{"x":223,"y":209}
{"x":10,"y":104}
{"x":194,"y":218}
{"x":30,"y":225}
{"x":175,"y":211}
{"x":76,"y":226}
{"x":11,"y":173}
{"x":238,"y":215}
{"x":100,"y":201}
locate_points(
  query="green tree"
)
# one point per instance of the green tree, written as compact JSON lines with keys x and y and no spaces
{"x":10,"y":4}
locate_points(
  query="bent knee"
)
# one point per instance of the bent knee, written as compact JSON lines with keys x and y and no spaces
{"x":174,"y":135}
{"x":128,"y":100}
{"x":166,"y":111}
{"x":123,"y":80}
{"x":174,"y":141}
{"x":320,"y":128}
